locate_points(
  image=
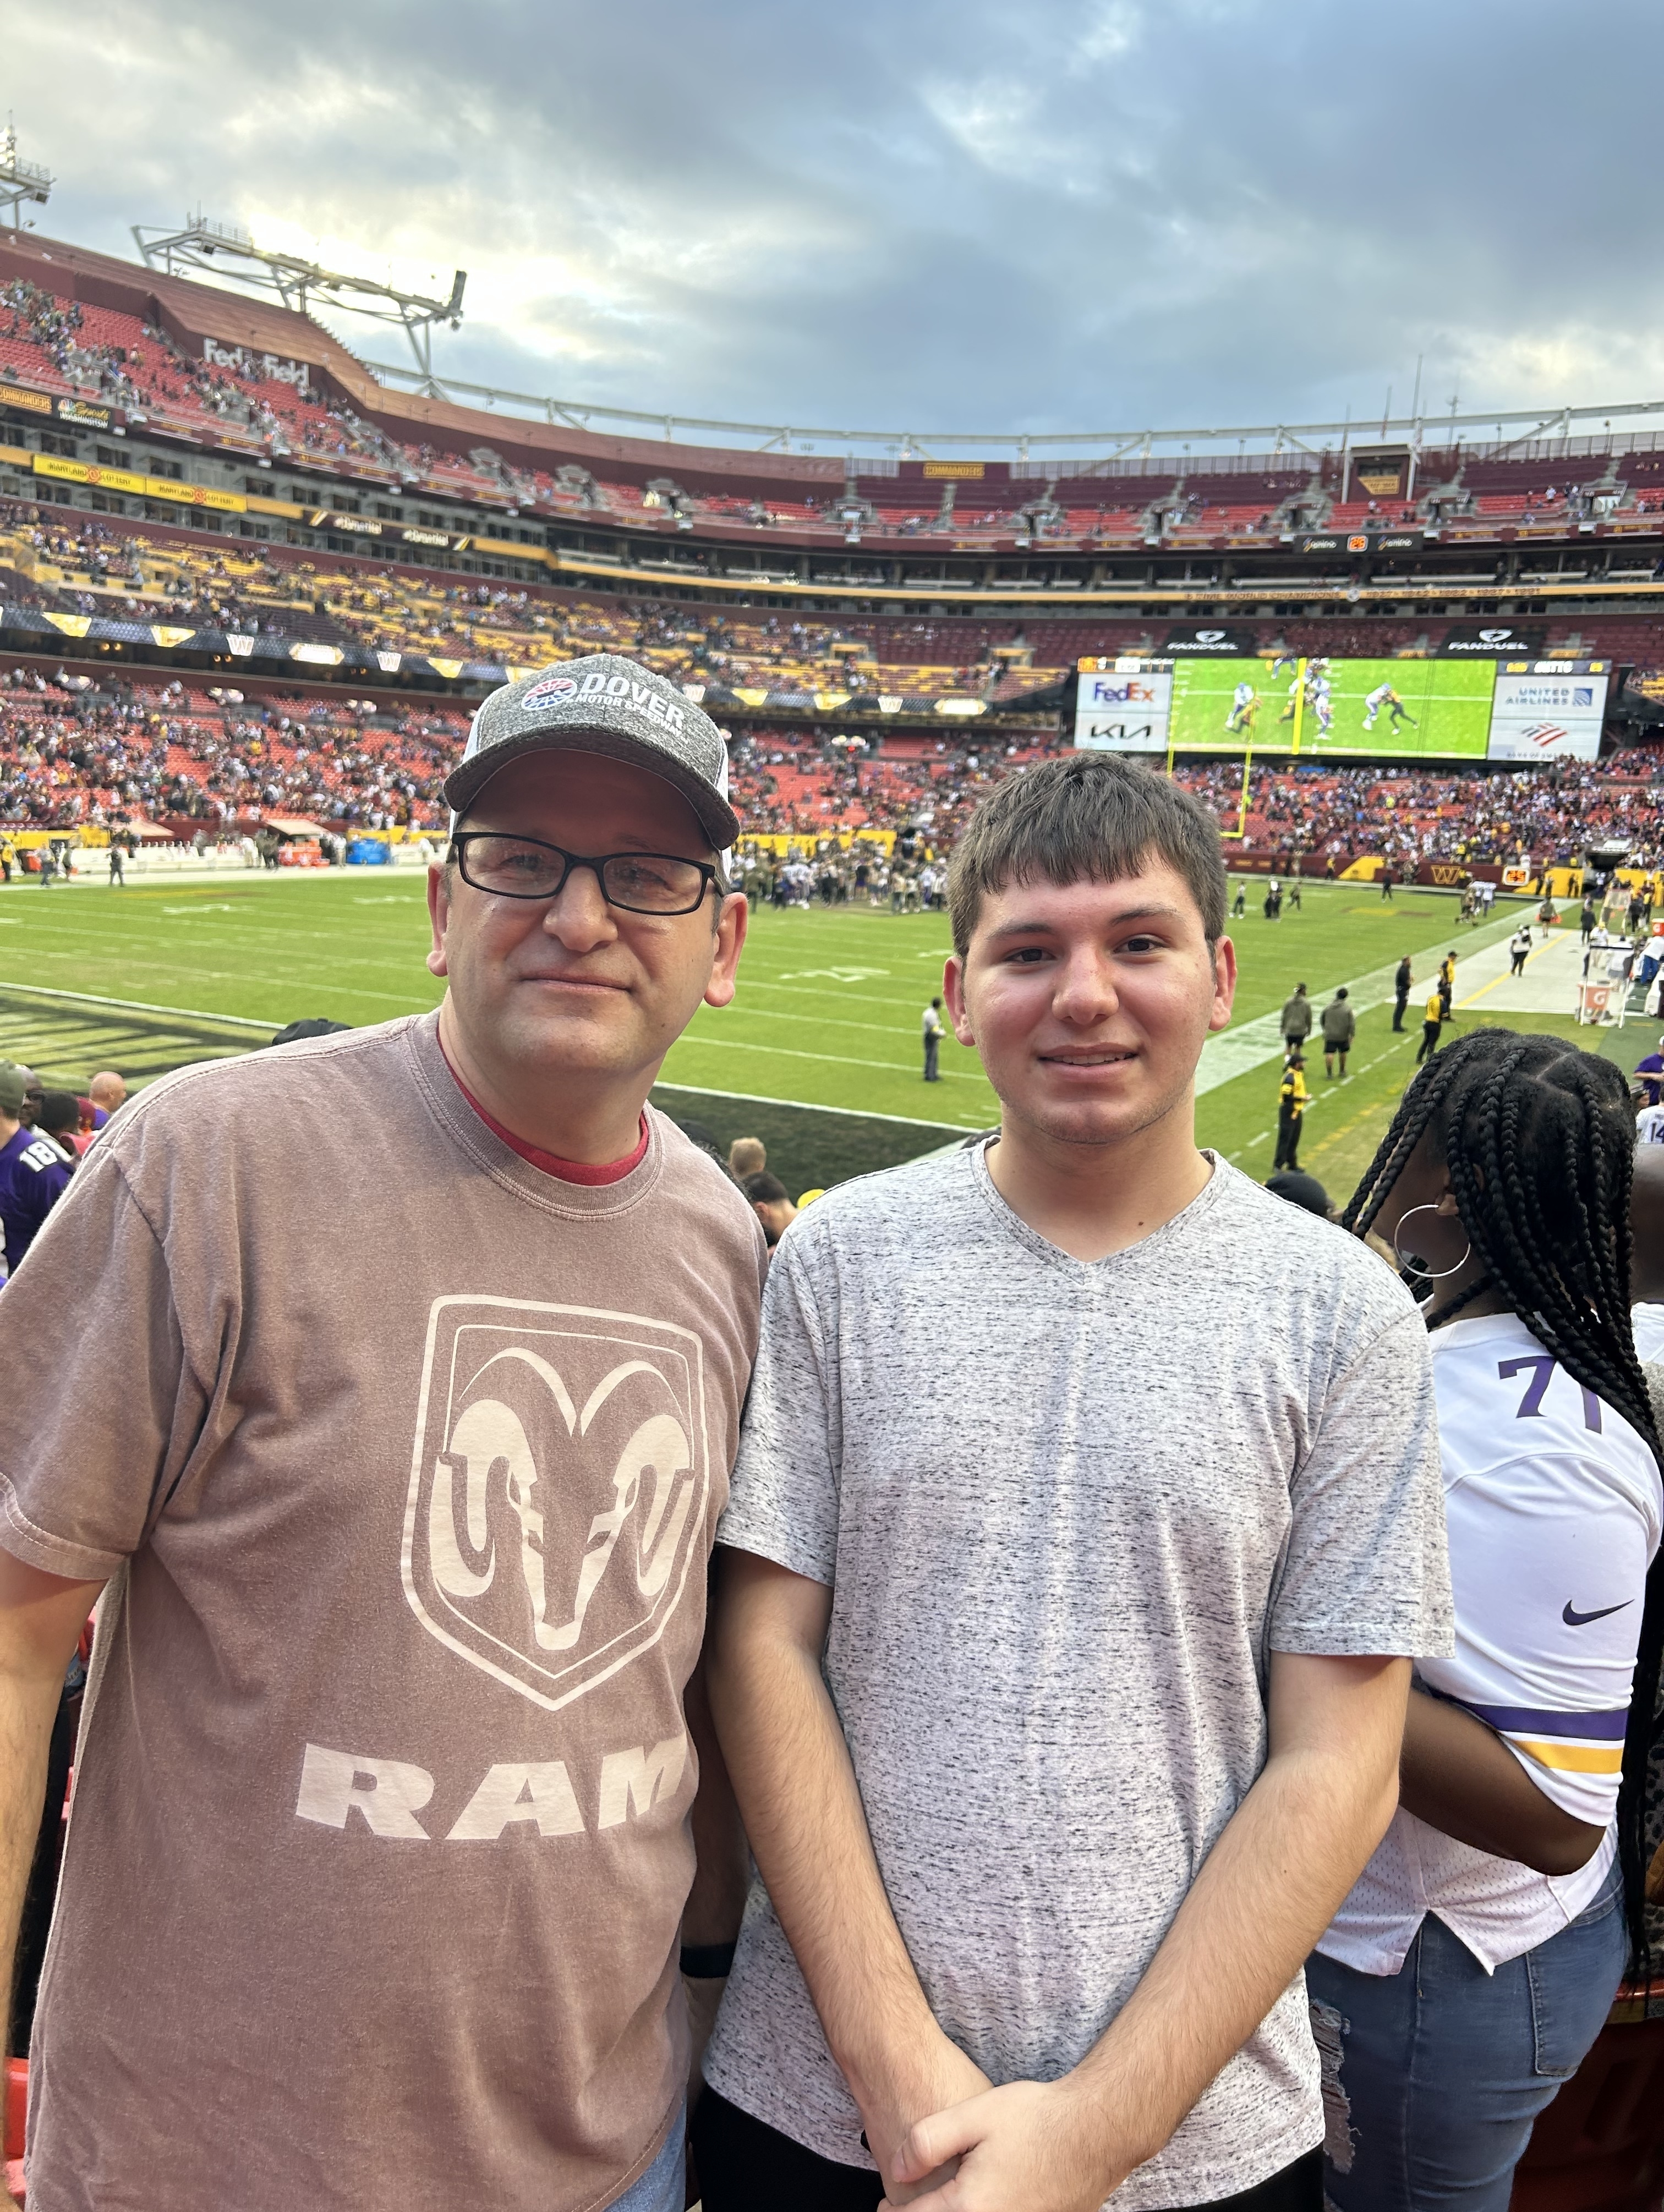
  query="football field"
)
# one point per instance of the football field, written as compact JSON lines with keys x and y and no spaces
{"x":1414,"y":709}
{"x":820,"y":1053}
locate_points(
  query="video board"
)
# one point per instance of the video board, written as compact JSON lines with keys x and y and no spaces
{"x":1408,"y":709}
{"x":1446,"y":708}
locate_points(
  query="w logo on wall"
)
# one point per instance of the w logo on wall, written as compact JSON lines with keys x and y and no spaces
{"x":559,"y":1490}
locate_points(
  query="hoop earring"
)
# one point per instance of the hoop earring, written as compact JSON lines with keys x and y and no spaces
{"x":1428,"y":1274}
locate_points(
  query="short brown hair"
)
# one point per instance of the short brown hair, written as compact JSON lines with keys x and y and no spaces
{"x":1086,"y":817}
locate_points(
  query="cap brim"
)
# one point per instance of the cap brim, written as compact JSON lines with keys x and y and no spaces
{"x":716,"y":816}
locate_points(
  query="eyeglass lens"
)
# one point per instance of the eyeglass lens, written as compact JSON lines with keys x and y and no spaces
{"x":642,"y":882}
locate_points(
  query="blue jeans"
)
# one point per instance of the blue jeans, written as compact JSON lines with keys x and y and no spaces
{"x":1433,"y":2076}
{"x":663,"y":2187}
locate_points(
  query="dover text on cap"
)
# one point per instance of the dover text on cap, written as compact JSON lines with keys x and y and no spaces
{"x":605,"y":704}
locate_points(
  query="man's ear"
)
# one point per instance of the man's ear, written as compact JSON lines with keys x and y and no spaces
{"x":953,"y":990}
{"x":439,"y":915}
{"x":731,"y":921}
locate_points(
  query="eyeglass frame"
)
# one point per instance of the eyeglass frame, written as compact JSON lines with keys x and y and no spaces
{"x":709,"y":874}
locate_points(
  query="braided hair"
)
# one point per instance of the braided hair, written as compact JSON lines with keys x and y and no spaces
{"x":1539,"y":1140}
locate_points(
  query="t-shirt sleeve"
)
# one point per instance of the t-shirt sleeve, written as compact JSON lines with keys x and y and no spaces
{"x":1366,"y":1571}
{"x":782,"y":1501}
{"x":99,"y":1406}
{"x":1560,"y":1668}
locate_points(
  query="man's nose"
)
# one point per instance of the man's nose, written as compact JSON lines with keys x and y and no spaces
{"x":580,"y":917}
{"x":1086,"y":989}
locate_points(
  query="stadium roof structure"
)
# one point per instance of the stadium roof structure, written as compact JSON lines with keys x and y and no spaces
{"x":1272,"y":440}
{"x":296,"y":282}
{"x":423,"y":405}
{"x":21,"y":183}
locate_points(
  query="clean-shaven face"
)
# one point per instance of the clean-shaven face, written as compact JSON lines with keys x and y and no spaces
{"x":571,"y":985}
{"x":1089,"y":1003}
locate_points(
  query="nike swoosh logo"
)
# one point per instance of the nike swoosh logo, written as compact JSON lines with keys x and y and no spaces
{"x":1582,"y":1620}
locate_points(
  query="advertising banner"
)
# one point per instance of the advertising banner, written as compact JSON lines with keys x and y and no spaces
{"x":1498,"y":640}
{"x":1208,"y":638}
{"x":1540,"y":716}
{"x":1122,"y":709}
{"x":138,"y":487}
{"x":1360,"y":541}
{"x":396,"y":533}
{"x":85,"y":412}
{"x":48,"y":464}
{"x":33,"y":403}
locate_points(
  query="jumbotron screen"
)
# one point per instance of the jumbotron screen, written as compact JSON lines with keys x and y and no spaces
{"x":1439,"y":709}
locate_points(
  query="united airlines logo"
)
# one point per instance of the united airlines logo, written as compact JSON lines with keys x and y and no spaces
{"x":558,"y":1489}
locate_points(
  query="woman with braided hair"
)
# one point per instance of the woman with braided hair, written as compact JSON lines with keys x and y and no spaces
{"x":1476,"y":1956}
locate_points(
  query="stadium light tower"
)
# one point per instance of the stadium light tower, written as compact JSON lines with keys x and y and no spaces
{"x":202,"y":244}
{"x":20,"y":181}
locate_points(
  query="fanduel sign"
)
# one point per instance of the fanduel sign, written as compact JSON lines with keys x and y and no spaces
{"x":1206,"y":637}
{"x":1496,"y":640}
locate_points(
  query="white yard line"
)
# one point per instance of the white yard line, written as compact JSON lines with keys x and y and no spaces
{"x":1236,"y":1051}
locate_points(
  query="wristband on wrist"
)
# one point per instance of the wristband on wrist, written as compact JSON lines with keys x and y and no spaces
{"x":707,"y":1962}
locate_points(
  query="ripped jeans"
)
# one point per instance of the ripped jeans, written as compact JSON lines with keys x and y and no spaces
{"x":1433,"y":2076}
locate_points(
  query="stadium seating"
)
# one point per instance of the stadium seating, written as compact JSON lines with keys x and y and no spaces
{"x":169,"y":753}
{"x":231,"y":585}
{"x":173,"y":753}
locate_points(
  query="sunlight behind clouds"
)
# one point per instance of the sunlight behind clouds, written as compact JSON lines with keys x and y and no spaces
{"x":986,"y":214}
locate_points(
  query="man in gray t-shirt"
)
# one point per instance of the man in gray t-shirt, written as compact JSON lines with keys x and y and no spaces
{"x":1087,"y":1511}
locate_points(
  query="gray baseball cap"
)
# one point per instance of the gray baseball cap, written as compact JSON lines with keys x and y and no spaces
{"x":602,"y":704}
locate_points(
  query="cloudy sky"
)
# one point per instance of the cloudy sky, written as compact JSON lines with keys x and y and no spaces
{"x":974,"y":215}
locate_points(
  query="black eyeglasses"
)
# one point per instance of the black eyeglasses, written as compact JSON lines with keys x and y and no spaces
{"x":526,"y":868}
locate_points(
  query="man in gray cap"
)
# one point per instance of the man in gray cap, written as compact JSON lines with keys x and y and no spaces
{"x":385,"y":1841}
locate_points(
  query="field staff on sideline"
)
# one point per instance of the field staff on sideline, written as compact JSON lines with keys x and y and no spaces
{"x":1062,"y":1680}
{"x":401,"y":1460}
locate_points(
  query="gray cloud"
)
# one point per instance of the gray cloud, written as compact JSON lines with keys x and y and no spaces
{"x":1066,"y":214}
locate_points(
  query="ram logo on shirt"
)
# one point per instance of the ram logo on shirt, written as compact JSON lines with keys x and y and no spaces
{"x":558,"y":1488}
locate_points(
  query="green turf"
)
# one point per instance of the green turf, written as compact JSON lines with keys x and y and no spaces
{"x":1446,"y":708}
{"x":827,"y":1014}
{"x":1346,"y":1120}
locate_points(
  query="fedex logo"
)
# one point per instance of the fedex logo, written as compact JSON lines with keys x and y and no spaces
{"x":1129,"y":692}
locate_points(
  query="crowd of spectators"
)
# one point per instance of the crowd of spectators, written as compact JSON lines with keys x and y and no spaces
{"x":159,"y":749}
{"x":75,"y":750}
{"x":71,"y":756}
{"x":1478,"y":816}
{"x":808,"y":788}
{"x":91,"y":567}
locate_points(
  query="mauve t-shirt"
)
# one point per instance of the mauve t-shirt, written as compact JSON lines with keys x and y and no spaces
{"x":404,"y":1459}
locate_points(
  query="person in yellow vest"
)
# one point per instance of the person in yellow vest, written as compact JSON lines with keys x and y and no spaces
{"x":1447,"y":984}
{"x":1290,"y":1107}
{"x":1433,"y":1021}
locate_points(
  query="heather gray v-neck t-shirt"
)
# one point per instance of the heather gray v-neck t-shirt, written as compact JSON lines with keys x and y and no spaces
{"x":1068,"y":1511}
